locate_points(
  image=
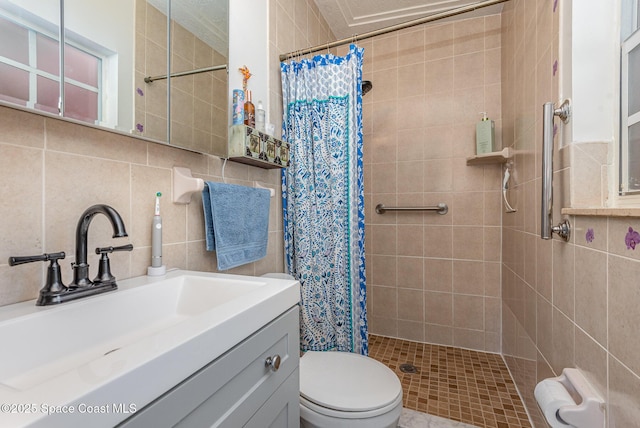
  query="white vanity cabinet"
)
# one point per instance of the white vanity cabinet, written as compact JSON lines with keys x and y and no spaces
{"x":238,"y":389}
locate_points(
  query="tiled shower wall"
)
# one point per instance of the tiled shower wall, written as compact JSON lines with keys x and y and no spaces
{"x":433,"y":278}
{"x":564,"y":304}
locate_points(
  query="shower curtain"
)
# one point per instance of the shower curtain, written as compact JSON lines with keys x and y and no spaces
{"x":323,"y":199}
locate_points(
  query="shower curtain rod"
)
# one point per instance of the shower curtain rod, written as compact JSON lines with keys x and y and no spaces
{"x":186,"y":73}
{"x":392,"y":28}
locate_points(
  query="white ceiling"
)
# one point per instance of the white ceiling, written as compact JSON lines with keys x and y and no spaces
{"x":351,"y":17}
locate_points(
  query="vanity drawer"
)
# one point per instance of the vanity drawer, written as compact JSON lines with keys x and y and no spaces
{"x":282,"y":409}
{"x":230,"y":390}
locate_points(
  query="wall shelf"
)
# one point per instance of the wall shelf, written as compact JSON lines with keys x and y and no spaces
{"x":490,"y":158}
{"x":249,"y":146}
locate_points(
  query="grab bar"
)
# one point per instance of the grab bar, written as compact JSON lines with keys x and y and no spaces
{"x":441,"y":208}
{"x":563,"y":229}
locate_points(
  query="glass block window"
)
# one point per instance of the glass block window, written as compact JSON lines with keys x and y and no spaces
{"x":30,"y":73}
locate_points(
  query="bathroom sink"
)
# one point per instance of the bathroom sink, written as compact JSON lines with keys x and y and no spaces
{"x":127,"y":347}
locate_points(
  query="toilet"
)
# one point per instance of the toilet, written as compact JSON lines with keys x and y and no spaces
{"x":346,"y":390}
{"x":342,"y":389}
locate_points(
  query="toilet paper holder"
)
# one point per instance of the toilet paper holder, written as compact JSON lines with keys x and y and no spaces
{"x":587,"y":410}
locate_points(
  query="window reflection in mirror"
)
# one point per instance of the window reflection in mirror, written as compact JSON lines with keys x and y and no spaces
{"x":83,"y":86}
{"x":98,"y":59}
{"x":29,"y":54}
{"x":98,"y":62}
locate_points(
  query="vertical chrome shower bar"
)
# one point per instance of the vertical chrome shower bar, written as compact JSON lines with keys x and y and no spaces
{"x":564,"y":228}
{"x":547,"y":170}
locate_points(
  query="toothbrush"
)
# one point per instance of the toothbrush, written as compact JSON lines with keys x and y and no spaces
{"x":156,"y":236}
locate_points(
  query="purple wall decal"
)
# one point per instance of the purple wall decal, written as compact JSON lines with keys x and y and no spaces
{"x":590,"y":235}
{"x":632,"y":238}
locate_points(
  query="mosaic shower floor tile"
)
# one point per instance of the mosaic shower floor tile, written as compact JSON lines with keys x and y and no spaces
{"x":453,"y":383}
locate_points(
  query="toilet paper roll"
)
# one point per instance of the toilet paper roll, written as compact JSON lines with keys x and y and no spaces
{"x":551,"y":395}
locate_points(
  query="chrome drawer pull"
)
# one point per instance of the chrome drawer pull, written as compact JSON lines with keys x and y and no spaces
{"x":273,"y":362}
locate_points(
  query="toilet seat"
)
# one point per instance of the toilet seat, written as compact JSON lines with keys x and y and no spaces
{"x":347,"y":385}
{"x":341,"y":414}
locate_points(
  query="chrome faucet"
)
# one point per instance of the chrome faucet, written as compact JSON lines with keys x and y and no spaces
{"x":81,"y":267}
{"x":54,"y":291}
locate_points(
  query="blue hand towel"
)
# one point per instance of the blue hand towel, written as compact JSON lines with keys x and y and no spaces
{"x":236,"y":223}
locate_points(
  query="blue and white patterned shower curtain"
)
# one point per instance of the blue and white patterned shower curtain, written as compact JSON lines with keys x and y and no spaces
{"x":323,"y":199}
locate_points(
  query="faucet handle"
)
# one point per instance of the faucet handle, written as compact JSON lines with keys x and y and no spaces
{"x":107,"y":250}
{"x":104,"y":270}
{"x":14,"y":261}
{"x":54,"y":286}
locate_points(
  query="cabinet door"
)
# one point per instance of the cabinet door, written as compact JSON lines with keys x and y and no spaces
{"x":231,"y":389}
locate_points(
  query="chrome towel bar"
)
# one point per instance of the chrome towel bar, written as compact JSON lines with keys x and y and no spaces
{"x":150,"y":79}
{"x":441,"y":208}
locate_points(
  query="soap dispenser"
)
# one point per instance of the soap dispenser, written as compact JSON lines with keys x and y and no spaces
{"x":260,"y":117}
{"x":485,"y":135}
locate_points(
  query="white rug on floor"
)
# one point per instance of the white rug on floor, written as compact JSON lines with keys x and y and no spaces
{"x":412,"y":419}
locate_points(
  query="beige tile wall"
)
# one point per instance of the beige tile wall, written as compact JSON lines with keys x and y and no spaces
{"x":53,"y":170}
{"x":564,"y":304}
{"x":433,"y":278}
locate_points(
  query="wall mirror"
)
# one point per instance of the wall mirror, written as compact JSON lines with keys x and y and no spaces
{"x":109,"y":50}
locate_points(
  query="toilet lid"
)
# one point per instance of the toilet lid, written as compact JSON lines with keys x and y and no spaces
{"x":347,"y":382}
